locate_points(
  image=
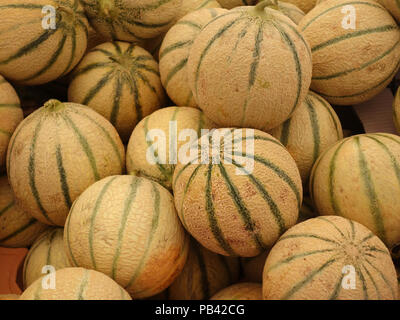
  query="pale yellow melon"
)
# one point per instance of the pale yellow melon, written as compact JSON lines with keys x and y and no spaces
{"x":145,"y":154}
{"x":32,"y":50}
{"x":9,"y":296}
{"x":240,"y":291}
{"x":250,"y":68}
{"x":396,"y":111}
{"x":75,"y":284}
{"x":129,"y":20}
{"x":329,"y":258}
{"x":10,"y":116}
{"x":393,"y":6}
{"x":351,"y":66}
{"x":47,"y":250}
{"x":174,"y":53}
{"x":127,"y":228}
{"x":253,"y":267}
{"x":204,"y":274}
{"x":358,"y":178}
{"x":120,"y":81}
{"x":17,"y":228}
{"x":56,"y":153}
{"x":239,"y":191}
{"x":313,"y":128}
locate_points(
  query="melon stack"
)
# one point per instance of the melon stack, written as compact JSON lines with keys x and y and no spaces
{"x":194,"y":149}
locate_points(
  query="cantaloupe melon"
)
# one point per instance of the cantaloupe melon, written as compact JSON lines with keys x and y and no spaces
{"x":33,"y":50}
{"x":350,"y":65}
{"x":56,"y":153}
{"x":76,"y":284}
{"x":142,"y":144}
{"x":313,"y":128}
{"x":329,"y":258}
{"x":9,"y":296}
{"x":229,"y":4}
{"x":238,"y":192}
{"x":250,"y":67}
{"x":253,"y":267}
{"x":304,"y":5}
{"x":10,"y":116}
{"x":129,"y":20}
{"x":393,"y":6}
{"x":127,"y":228}
{"x":396,"y":111}
{"x":204,"y":274}
{"x":240,"y":291}
{"x":359,"y":179}
{"x":47,"y":250}
{"x":17,"y":228}
{"x":120,"y":81}
{"x":174,"y":54}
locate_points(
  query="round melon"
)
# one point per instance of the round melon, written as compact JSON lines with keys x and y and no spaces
{"x":229,"y":4}
{"x":76,"y":284}
{"x":174,"y":53}
{"x":313,"y":128}
{"x":304,"y":5}
{"x":253,"y":267}
{"x":10,"y":116}
{"x":35,"y":48}
{"x":120,"y":81}
{"x":47,"y":250}
{"x":240,"y":291}
{"x":9,"y":296}
{"x":129,"y":20}
{"x":238,"y":192}
{"x":135,"y":237}
{"x":393,"y":6}
{"x":250,"y":67}
{"x":359,"y":179}
{"x":150,"y":156}
{"x":351,"y":66}
{"x":329,"y":258}
{"x":396,"y":110}
{"x":204,"y":274}
{"x":56,"y":153}
{"x":17,"y":228}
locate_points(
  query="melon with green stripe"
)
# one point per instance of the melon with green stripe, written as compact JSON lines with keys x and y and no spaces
{"x":120,"y":81}
{"x":238,"y":191}
{"x":396,"y":110}
{"x":204,"y":274}
{"x":174,"y":54}
{"x":321,"y":258}
{"x":127,"y":228}
{"x":393,"y":6}
{"x":128,"y":20}
{"x":252,"y":268}
{"x":10,"y":116}
{"x":269,"y":65}
{"x":359,"y":179}
{"x":56,"y":153}
{"x":76,"y":284}
{"x":313,"y":128}
{"x":240,"y":291}
{"x":47,"y":250}
{"x":17,"y":228}
{"x":342,"y":57}
{"x":147,"y":154}
{"x":229,"y":4}
{"x":33,"y":51}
